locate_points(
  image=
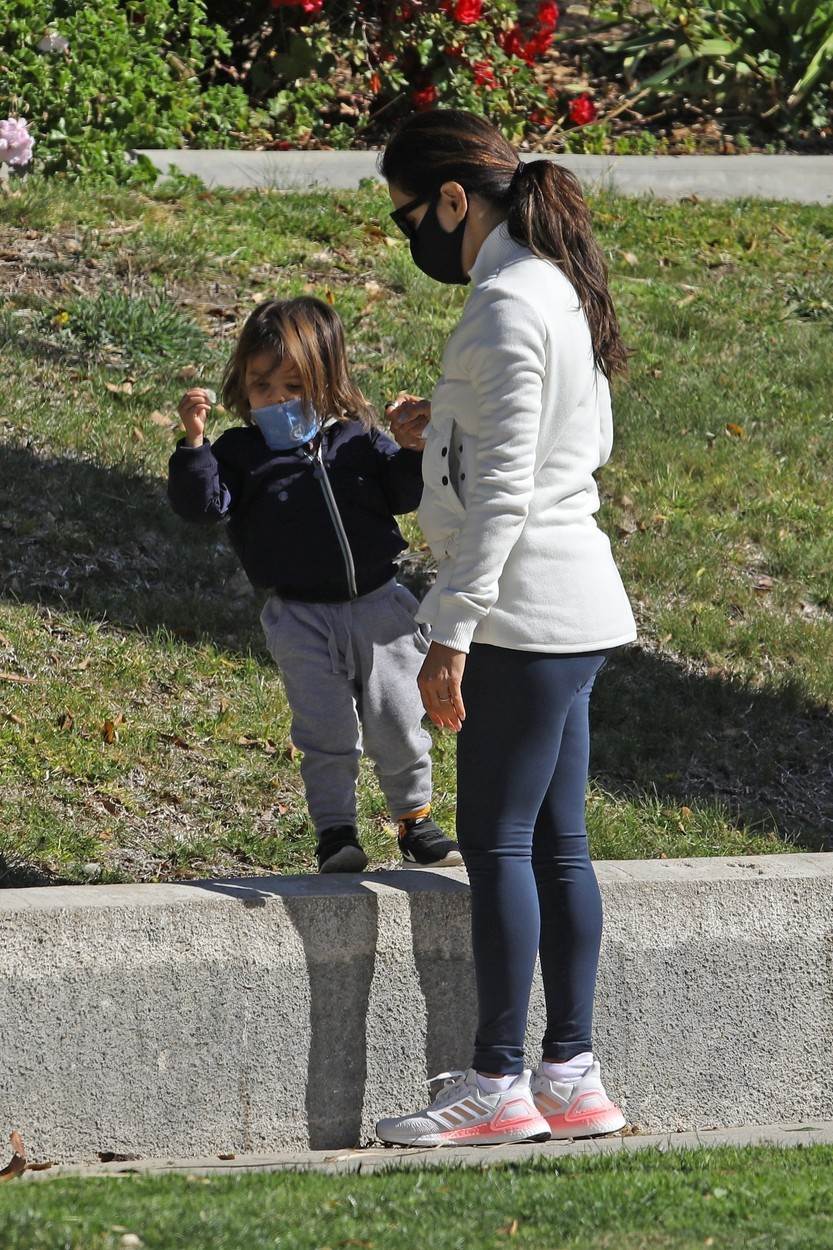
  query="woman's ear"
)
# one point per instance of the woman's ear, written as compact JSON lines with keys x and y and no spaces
{"x":453,"y":204}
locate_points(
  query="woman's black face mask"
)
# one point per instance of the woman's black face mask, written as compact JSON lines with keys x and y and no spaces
{"x":438,"y":252}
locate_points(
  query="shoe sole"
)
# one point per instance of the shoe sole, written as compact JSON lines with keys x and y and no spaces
{"x":600,"y":1125}
{"x":348,"y":859}
{"x":456,"y":1139}
{"x":453,"y":860}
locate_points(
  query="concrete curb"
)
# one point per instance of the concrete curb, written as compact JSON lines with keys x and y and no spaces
{"x":289,"y":1013}
{"x":346,"y":1162}
{"x":801,"y":179}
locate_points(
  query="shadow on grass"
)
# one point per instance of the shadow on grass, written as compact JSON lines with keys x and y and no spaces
{"x":104,"y":543}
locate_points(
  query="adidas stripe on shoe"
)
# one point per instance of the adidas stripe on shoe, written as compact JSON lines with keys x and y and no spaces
{"x":463,"y":1115}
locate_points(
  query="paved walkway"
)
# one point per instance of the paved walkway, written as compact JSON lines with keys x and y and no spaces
{"x":803,"y":179}
{"x":334,"y":1162}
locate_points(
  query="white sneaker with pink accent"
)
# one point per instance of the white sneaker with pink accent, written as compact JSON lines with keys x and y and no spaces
{"x":580,"y":1109}
{"x":462,"y":1114}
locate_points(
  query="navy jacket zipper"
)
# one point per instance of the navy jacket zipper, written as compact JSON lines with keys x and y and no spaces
{"x":338,"y":524}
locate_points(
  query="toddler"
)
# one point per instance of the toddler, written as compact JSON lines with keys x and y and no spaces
{"x":311,"y":489}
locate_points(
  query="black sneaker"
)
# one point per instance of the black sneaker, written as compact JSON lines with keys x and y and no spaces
{"x":422,"y":842}
{"x":338,"y":850}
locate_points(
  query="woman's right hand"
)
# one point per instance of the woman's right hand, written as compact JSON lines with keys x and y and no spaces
{"x":193,"y":409}
{"x":408,"y":416}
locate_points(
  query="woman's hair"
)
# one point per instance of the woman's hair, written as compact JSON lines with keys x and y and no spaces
{"x":309,"y":333}
{"x":545,"y":208}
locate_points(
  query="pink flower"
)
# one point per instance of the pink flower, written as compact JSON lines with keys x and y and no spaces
{"x":311,"y":7}
{"x":424,"y":98}
{"x":15,"y":142}
{"x":484,"y":74}
{"x":582,"y":110}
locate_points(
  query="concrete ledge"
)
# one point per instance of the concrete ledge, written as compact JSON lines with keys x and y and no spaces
{"x":288,"y":1013}
{"x":339,"y":1162}
{"x":805,"y":179}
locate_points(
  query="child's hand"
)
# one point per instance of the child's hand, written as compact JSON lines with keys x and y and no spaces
{"x":408,"y":416}
{"x":194,"y":408}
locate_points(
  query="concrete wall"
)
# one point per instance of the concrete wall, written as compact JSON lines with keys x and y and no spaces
{"x":273,"y":1013}
{"x":807,"y":179}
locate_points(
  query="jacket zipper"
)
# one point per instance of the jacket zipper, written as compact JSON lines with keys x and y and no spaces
{"x":338,"y":524}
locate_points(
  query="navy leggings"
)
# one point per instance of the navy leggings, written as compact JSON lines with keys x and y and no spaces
{"x":522,"y":760}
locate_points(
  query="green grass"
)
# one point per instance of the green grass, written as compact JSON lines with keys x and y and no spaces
{"x":726,"y":1198}
{"x":712,"y":737}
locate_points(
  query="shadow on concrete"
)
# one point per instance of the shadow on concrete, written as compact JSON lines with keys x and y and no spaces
{"x":340,"y":945}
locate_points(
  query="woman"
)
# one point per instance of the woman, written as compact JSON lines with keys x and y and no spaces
{"x":527,"y":605}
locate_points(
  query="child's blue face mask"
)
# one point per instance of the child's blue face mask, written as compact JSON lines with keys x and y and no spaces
{"x":288,"y":425}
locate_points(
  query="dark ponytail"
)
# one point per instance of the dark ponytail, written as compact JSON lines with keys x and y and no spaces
{"x":544,"y":205}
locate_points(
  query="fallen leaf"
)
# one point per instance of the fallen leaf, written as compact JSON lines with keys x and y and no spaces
{"x":189,"y":372}
{"x":227,"y":1156}
{"x":686,"y":812}
{"x":84,"y":664}
{"x":763,"y":584}
{"x":736,"y":431}
{"x":27,"y":681}
{"x":66,"y":721}
{"x":630,"y":258}
{"x":110,"y":1156}
{"x":137,"y":435}
{"x":108,"y":732}
{"x":176,"y":741}
{"x":329,"y":297}
{"x":131,"y":1241}
{"x":290,"y":751}
{"x":510,"y":1230}
{"x":161,"y":418}
{"x":40,"y":1167}
{"x":119,"y":388}
{"x":17,"y":1163}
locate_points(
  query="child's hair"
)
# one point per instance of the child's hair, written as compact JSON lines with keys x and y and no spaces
{"x":544,"y":206}
{"x":308,"y":332}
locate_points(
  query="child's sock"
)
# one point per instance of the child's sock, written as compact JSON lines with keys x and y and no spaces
{"x":570,"y":1071}
{"x":419,"y":814}
{"x":494,"y":1084}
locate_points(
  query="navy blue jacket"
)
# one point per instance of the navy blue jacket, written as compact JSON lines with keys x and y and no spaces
{"x":321,"y":532}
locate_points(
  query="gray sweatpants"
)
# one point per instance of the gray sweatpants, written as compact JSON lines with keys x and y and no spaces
{"x":350,"y":673}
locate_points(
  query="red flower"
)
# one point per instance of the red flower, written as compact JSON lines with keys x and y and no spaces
{"x":423,"y":98}
{"x":548,"y":15}
{"x":511,"y":41}
{"x":311,"y":7}
{"x":582,"y":110}
{"x":537,"y":45}
{"x":375,"y":83}
{"x":454,"y":51}
{"x":468,"y":11}
{"x":484,"y":74}
{"x":539,"y":117}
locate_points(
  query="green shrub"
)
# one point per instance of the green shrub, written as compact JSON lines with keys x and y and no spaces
{"x":129,"y":76}
{"x":767,"y":62}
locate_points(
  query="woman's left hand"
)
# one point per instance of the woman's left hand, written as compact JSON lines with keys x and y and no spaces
{"x":439,"y":682}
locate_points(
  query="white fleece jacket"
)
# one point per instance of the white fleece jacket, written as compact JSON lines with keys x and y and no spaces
{"x":520,"y":421}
